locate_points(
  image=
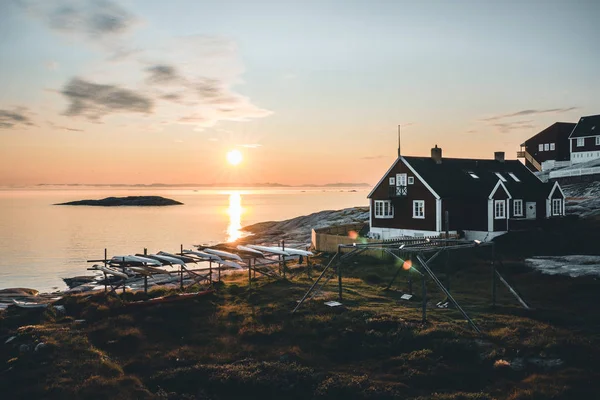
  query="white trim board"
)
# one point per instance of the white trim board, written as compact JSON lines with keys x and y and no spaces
{"x":383,"y":178}
{"x":556,"y":185}
{"x":491,"y":196}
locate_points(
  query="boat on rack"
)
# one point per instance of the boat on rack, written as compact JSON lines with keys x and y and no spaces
{"x":223,"y":254}
{"x":29,"y":304}
{"x":134,"y":260}
{"x":249,"y":250}
{"x":229,"y":264}
{"x":182,"y":258}
{"x":267,"y":249}
{"x":109,"y":270}
{"x":203,"y":255}
{"x":296,"y":252}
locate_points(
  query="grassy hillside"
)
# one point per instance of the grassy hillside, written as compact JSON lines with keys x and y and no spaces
{"x":244,"y":343}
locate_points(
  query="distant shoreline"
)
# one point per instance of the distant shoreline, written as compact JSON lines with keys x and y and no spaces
{"x":204,"y":185}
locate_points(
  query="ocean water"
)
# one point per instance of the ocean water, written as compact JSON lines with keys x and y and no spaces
{"x":40,"y":243}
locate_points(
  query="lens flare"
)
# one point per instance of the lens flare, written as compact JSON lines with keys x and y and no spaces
{"x":352,"y":234}
{"x":407,"y":265}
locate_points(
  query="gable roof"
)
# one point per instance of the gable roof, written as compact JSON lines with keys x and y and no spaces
{"x":587,"y":126}
{"x":558,"y":131}
{"x":452,"y":178}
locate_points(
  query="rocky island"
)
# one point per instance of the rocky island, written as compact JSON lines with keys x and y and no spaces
{"x":139,"y":201}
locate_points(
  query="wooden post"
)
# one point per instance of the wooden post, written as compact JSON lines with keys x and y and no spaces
{"x":283,"y":265}
{"x":424,"y":294}
{"x":105,"y":276}
{"x":123,"y":268}
{"x":145,"y":276}
{"x":249,"y":272}
{"x":339,"y":268}
{"x":181,"y":270}
{"x":210,"y":271}
{"x":493,"y":277}
{"x":446,"y":266}
{"x":308,"y":267}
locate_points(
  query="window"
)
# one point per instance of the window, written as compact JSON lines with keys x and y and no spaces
{"x":392,"y":181}
{"x":473,"y":175}
{"x":419,"y":209}
{"x":401,"y":179}
{"x":580,"y":142}
{"x":503,"y":179}
{"x":514,"y":177}
{"x":556,"y":207}
{"x":499,"y":209}
{"x":411,"y":180}
{"x":552,"y":146}
{"x":597,"y":140}
{"x":546,"y":147}
{"x":518,"y":208}
{"x":384,"y":209}
{"x":541,"y":147}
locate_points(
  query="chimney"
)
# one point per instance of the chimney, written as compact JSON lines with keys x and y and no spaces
{"x":499,"y":156}
{"x":436,"y":154}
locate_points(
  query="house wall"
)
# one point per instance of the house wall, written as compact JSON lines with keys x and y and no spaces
{"x":549,"y":135}
{"x":403,"y":206}
{"x":589,"y":151}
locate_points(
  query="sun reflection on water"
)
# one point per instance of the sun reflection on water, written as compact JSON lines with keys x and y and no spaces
{"x":235,"y":212}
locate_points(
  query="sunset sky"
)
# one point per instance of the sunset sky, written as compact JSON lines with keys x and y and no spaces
{"x":142,"y":91}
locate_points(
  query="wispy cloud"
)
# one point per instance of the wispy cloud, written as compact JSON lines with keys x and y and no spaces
{"x":251,"y":145}
{"x":95,"y":19}
{"x":506,"y":127}
{"x":64,"y":128}
{"x":14,"y":118}
{"x":530,"y":112}
{"x":95,"y":101}
{"x":373,"y":157}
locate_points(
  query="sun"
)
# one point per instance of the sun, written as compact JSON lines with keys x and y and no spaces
{"x":234,"y":157}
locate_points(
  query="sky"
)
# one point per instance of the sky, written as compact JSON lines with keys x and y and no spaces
{"x":145,"y":91}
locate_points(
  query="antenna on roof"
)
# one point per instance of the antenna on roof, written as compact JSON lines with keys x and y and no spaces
{"x":398,"y":140}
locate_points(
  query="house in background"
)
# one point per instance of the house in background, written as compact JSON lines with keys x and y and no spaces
{"x":585,"y":140}
{"x":483,"y":198}
{"x":548,"y":149}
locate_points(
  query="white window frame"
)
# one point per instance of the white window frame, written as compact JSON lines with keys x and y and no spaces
{"x":556,"y":206}
{"x":392,"y":181}
{"x":411,"y":180}
{"x":384,"y":209}
{"x":518,"y":208}
{"x":580,"y":142}
{"x":401,"y":179}
{"x":499,"y":175}
{"x":419,"y":209}
{"x":552,"y":146}
{"x":499,"y":209}
{"x":597,"y":140}
{"x":541,"y":147}
{"x":546,"y":146}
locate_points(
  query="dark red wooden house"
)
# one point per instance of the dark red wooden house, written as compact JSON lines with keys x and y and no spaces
{"x":482,"y":198}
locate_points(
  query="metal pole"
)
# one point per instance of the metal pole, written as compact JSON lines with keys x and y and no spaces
{"x":249,"y":272}
{"x":210,"y":271}
{"x":105,"y":276}
{"x":316,"y":282}
{"x":283,"y":265}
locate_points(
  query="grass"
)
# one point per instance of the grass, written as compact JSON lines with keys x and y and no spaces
{"x":244,"y":342}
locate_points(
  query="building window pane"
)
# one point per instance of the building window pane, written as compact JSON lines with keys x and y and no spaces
{"x":541,"y":147}
{"x":546,"y":147}
{"x":556,"y":207}
{"x":384,"y":209}
{"x":518,"y":207}
{"x":552,"y":146}
{"x":580,"y":142}
{"x":499,"y":209}
{"x":597,"y":140}
{"x":418,"y":208}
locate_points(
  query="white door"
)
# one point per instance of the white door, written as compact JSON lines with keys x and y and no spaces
{"x":530,"y":210}
{"x":400,"y":179}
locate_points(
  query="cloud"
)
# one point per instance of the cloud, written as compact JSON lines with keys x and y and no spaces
{"x":163,"y":74}
{"x":96,"y":101}
{"x":530,"y":112}
{"x":373,"y":157}
{"x":64,"y":128}
{"x":506,"y":127}
{"x":52,"y":65}
{"x":14,"y":118}
{"x":251,"y":145}
{"x":95,"y":19}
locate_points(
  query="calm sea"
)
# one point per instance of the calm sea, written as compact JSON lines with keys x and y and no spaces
{"x":40,"y":243}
